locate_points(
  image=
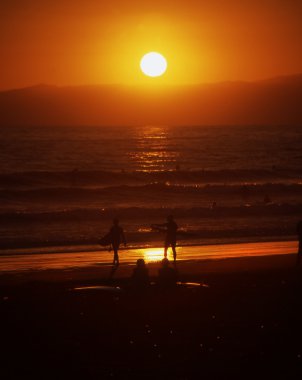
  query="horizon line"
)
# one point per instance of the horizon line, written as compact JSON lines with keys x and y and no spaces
{"x":150,"y":85}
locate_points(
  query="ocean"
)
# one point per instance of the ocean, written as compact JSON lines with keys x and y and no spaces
{"x":61,"y":186}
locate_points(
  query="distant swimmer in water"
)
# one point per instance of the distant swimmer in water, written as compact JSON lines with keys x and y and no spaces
{"x":116,"y":237}
{"x":171,"y":230}
{"x":299,"y":232}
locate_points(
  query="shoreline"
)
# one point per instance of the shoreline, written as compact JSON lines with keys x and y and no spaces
{"x":87,"y":266}
{"x":76,"y":248}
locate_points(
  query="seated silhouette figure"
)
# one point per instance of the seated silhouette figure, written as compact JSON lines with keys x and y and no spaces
{"x":167,"y":276}
{"x":140,"y":275}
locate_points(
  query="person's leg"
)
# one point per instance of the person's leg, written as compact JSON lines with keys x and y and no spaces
{"x":115,"y":257}
{"x":174,"y":251}
{"x":167,"y":244}
{"x":165,"y":251}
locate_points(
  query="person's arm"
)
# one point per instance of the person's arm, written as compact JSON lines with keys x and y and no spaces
{"x":159,"y":225}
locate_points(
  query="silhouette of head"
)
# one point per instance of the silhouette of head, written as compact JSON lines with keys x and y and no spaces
{"x":140,"y":263}
{"x":165,"y":262}
{"x":116,"y":221}
{"x":169,"y":218}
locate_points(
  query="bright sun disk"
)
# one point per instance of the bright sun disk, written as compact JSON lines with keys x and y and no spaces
{"x":153,"y":64}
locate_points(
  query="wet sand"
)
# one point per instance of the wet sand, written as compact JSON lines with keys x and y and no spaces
{"x":245,"y":323}
{"x":94,"y":261}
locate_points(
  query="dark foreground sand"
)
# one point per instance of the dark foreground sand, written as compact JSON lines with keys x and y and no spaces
{"x":247,"y":323}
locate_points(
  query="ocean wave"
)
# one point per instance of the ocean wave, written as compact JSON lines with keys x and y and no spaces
{"x":91,"y":179}
{"x":150,"y":239}
{"x":142,"y":213}
{"x":155,"y":194}
{"x":75,"y":227}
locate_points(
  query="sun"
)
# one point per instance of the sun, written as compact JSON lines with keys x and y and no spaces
{"x":153,"y":64}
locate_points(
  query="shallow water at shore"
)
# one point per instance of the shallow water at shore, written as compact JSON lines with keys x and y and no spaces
{"x":64,"y":261}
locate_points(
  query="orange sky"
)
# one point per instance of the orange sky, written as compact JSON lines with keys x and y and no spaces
{"x":74,"y":42}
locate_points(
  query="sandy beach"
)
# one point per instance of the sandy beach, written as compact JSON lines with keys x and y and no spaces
{"x":241,"y":317}
{"x":40,"y":264}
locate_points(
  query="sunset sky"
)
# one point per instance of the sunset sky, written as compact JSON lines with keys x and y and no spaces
{"x":76,"y":42}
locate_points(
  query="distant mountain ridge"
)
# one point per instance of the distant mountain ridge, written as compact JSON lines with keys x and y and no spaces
{"x":275,"y":101}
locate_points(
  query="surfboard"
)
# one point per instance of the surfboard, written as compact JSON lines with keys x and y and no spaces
{"x":113,"y":289}
{"x":156,"y":228}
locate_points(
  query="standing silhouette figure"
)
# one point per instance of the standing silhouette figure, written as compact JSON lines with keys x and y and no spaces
{"x":171,"y":230}
{"x":116,"y":236}
{"x":299,"y":232}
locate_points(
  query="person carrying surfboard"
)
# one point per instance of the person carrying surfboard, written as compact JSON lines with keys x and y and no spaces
{"x":116,"y":237}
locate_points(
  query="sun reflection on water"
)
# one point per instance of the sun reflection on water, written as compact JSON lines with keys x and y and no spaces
{"x":153,"y":151}
{"x":153,"y":254}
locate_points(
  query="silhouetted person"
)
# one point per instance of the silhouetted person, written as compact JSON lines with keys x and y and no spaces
{"x":171,"y":231}
{"x":299,"y":232}
{"x":167,"y":276}
{"x":116,"y":236}
{"x":140,"y":275}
